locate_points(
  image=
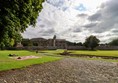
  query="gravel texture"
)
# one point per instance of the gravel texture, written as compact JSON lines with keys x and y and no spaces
{"x":68,"y":70}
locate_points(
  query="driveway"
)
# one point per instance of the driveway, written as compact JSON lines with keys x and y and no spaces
{"x":67,"y":70}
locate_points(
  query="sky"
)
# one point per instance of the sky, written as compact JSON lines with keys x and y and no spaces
{"x":75,"y":20}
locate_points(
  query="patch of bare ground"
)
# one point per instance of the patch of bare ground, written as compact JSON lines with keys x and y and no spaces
{"x":68,"y":70}
{"x":25,"y":57}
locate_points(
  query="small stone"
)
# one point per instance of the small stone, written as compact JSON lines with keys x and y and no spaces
{"x":5,"y":81}
{"x":19,"y":58}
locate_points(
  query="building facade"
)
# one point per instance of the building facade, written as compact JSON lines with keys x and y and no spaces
{"x":57,"y":43}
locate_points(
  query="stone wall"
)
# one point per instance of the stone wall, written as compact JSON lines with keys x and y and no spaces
{"x":107,"y":48}
{"x":68,"y":47}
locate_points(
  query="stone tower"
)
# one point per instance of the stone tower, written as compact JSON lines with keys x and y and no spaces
{"x":54,"y":40}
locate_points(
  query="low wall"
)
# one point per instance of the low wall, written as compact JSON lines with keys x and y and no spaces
{"x":32,"y":48}
{"x":98,"y":48}
{"x":69,"y":48}
{"x":107,"y":48}
{"x":76,"y":48}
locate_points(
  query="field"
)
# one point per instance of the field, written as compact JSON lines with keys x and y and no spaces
{"x":107,"y":53}
{"x":70,"y":69}
{"x":97,"y":53}
{"x":7,"y":63}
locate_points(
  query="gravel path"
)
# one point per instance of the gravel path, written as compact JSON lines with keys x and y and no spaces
{"x":68,"y":70}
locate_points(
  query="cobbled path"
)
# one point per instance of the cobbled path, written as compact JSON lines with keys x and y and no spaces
{"x":68,"y":70}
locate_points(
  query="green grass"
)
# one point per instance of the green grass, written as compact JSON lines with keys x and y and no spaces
{"x":96,"y":59}
{"x":97,"y":53}
{"x":52,"y":51}
{"x":7,"y":63}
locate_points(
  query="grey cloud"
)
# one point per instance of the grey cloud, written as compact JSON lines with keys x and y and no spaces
{"x":49,"y":31}
{"x":115,"y":31}
{"x":82,"y":15}
{"x":46,"y":32}
{"x":64,"y":8}
{"x":95,"y":17}
{"x":91,"y":25}
{"x":38,"y":32}
{"x":77,"y":30}
{"x":42,"y":25}
{"x":111,"y":7}
{"x":39,"y":20}
{"x":106,"y":25}
{"x":49,"y":23}
{"x":107,"y":17}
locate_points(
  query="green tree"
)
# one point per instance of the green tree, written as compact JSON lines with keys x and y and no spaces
{"x":15,"y":17}
{"x":26,"y":42}
{"x":80,"y":44}
{"x":91,"y":42}
{"x":114,"y":42}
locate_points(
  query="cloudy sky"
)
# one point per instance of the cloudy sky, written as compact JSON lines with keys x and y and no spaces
{"x":74,"y":20}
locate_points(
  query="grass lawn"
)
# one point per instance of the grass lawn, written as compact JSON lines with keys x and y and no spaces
{"x":7,"y":63}
{"x":97,"y":53}
{"x":52,"y":51}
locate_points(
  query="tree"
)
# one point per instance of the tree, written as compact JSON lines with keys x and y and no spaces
{"x":73,"y":43}
{"x":91,"y":42}
{"x":15,"y":17}
{"x":26,"y":42}
{"x":114,"y":42}
{"x":80,"y":44}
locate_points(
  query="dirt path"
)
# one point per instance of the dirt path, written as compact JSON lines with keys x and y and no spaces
{"x":68,"y":70}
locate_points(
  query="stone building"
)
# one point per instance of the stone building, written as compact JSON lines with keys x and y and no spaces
{"x":58,"y":43}
{"x":39,"y":42}
{"x":18,"y":45}
{"x":61,"y":43}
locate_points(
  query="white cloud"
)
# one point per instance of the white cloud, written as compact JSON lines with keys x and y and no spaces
{"x":74,"y":20}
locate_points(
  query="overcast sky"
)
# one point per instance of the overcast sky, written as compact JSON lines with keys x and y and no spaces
{"x":74,"y":20}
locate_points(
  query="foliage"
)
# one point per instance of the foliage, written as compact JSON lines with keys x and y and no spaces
{"x":80,"y":44}
{"x":15,"y":17}
{"x":74,"y":43}
{"x":26,"y":42}
{"x":91,"y":42}
{"x":114,"y":42}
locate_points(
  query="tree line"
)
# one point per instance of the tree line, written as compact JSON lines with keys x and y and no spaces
{"x":90,"y":42}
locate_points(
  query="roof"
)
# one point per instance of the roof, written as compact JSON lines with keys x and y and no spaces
{"x":60,"y":40}
{"x":38,"y":39}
